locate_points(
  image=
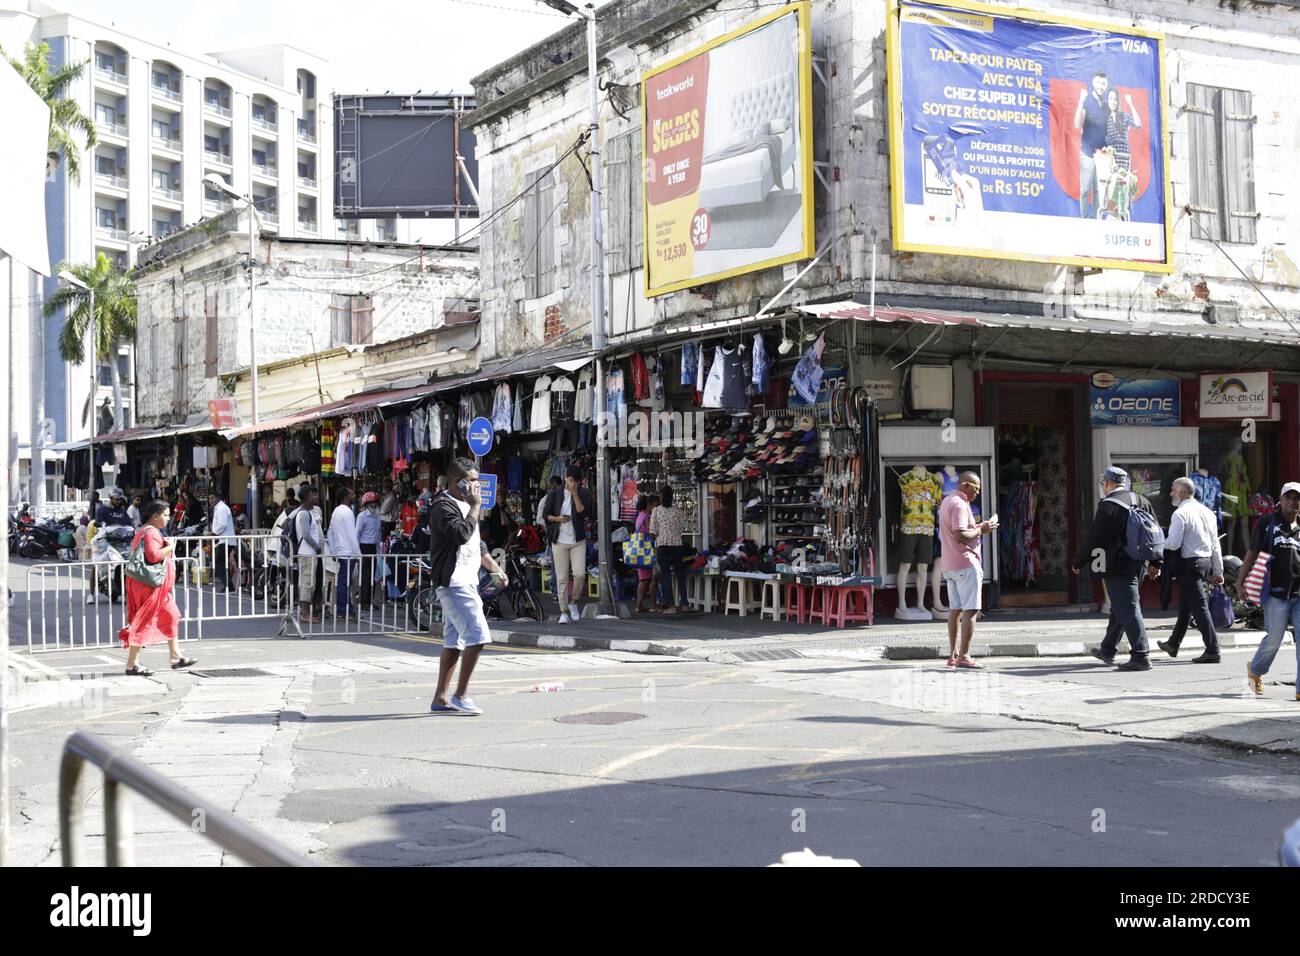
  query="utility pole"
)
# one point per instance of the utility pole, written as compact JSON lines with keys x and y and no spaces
{"x":5,"y":358}
{"x":38,"y":408}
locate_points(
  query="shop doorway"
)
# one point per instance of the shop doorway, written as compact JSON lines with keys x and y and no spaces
{"x":1248,"y":475}
{"x":1035,"y":460}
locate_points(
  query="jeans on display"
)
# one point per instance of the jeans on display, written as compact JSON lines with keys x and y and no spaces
{"x":1125,"y":616}
{"x":1278,"y":612}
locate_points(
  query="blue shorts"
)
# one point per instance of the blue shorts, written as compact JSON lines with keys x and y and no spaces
{"x":463,"y":623}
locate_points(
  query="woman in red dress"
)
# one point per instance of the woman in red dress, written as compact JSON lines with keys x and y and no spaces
{"x":151,"y":613}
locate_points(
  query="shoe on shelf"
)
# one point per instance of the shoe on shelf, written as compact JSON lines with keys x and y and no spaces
{"x":1169,"y":647}
{"x":1135,"y":664}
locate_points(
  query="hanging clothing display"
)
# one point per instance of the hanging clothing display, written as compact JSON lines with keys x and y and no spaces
{"x":922,"y":492}
{"x":762,"y":364}
{"x":639,"y":378}
{"x":583,"y":405}
{"x":541,"y":415}
{"x":502,"y":409}
{"x":615,"y":402}
{"x":727,"y":382}
{"x":1209,"y":493}
{"x":562,"y":399}
{"x":327,"y":437}
{"x":1018,"y":533}
{"x":807,"y":377}
{"x":690,"y":362}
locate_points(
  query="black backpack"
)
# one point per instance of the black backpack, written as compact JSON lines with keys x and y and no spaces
{"x":289,"y":534}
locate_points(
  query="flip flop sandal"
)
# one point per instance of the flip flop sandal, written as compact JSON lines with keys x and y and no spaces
{"x":138,"y":671}
{"x":183,"y":662}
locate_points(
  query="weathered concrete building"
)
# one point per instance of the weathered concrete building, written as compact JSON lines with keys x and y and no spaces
{"x":326,"y":299}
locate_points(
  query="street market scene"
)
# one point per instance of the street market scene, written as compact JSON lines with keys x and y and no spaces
{"x":698,"y":433}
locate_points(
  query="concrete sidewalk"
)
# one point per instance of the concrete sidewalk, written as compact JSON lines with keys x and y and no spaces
{"x":733,"y":639}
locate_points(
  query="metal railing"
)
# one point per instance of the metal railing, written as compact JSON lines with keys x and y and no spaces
{"x":166,"y":142}
{"x":309,"y":225}
{"x":167,"y":93}
{"x":123,"y":772}
{"x":305,"y":134}
{"x":112,"y":232}
{"x":104,"y":73}
{"x":110,"y":179}
{"x":265,"y":123}
{"x":58,"y":509}
{"x":213,"y":156}
{"x":216,"y":108}
{"x":164,"y":192}
{"x":113,"y":129}
{"x":266,"y":169}
{"x":215,"y":205}
{"x":307,"y":182}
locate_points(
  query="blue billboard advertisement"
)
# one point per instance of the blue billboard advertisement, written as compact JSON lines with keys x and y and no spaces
{"x":1027,"y":136}
{"x":1135,"y":401}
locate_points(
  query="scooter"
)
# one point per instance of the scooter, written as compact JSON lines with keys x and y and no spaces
{"x":109,"y":548}
{"x":1244,"y":611}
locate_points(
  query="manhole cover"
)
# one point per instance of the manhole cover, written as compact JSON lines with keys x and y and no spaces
{"x":600,"y":717}
{"x":234,"y":672}
{"x":782,"y":655}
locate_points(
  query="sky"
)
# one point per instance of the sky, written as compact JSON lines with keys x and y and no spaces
{"x":372,"y":45}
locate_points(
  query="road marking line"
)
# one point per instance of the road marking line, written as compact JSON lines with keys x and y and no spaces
{"x":642,"y":755}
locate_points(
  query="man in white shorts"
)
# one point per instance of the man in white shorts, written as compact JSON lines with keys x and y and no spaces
{"x":962,"y":564}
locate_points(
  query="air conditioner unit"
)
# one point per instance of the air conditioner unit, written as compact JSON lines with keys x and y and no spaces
{"x":931,"y":387}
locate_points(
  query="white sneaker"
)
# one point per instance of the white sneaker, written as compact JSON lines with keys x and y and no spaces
{"x":564,"y":617}
{"x":574,"y":614}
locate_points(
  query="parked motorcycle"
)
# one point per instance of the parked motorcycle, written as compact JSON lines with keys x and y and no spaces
{"x":45,"y":539}
{"x":109,"y":549}
{"x":1245,"y":611}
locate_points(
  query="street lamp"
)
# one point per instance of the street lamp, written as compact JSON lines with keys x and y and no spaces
{"x":606,"y":602}
{"x":72,"y":280}
{"x":218,"y":183}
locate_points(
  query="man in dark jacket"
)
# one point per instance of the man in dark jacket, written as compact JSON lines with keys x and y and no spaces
{"x":1104,"y":552}
{"x":456,"y":554}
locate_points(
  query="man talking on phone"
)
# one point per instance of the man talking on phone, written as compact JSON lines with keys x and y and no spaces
{"x":456,"y":555}
{"x":962,"y":564}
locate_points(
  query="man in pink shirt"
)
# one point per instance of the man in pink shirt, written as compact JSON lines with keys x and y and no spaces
{"x":961,"y":563}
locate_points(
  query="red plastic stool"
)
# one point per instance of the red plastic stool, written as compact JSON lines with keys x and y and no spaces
{"x":796,"y":606}
{"x":821,"y":601}
{"x":849,"y":605}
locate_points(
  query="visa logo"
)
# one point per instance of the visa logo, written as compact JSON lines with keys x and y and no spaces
{"x":1131,"y":45}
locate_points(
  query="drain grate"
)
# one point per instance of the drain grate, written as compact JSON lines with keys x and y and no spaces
{"x":782,"y":655}
{"x":600,"y":717}
{"x":234,"y":672}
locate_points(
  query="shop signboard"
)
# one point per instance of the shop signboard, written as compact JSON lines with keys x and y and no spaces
{"x":1237,"y":395}
{"x":487,"y":488}
{"x":728,"y":155}
{"x":1134,"y":401}
{"x":1027,"y":136}
{"x":224,"y":413}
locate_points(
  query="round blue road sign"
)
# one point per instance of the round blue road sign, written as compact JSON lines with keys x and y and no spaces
{"x":480,"y":436}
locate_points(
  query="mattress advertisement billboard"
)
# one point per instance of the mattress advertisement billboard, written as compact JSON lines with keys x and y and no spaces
{"x":1027,"y":136}
{"x":727,"y":132}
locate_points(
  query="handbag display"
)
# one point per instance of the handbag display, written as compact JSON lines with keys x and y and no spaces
{"x":138,"y":569}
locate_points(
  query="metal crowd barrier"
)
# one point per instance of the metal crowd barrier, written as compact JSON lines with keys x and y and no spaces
{"x":379,"y":594}
{"x":123,"y":771}
{"x":82,"y":604}
{"x":58,"y":509}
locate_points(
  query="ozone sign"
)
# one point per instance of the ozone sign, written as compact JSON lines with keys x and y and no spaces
{"x":1138,"y":401}
{"x":1018,"y":135}
{"x":727,"y":133}
{"x":1237,"y":395}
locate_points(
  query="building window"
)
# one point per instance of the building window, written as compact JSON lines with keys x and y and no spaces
{"x":351,"y":319}
{"x":1221,"y":128}
{"x":180,"y":371}
{"x":623,"y":191}
{"x":104,"y":113}
{"x":539,"y":233}
{"x":106,"y":218}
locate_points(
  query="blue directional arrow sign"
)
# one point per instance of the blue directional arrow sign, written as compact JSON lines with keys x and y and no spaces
{"x":480,"y":436}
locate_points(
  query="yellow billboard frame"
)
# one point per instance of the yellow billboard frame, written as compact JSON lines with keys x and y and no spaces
{"x":894,"y":56}
{"x":804,"y":11}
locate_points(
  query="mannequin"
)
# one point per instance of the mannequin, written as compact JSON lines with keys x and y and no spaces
{"x":1236,"y":499}
{"x":921,"y":492}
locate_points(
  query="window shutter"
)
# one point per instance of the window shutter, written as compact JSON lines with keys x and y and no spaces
{"x":210,"y":356}
{"x":1238,"y":166}
{"x":530,"y":236}
{"x":546,"y":226}
{"x":1203,"y":132}
{"x":363,"y":311}
{"x":340,"y":319}
{"x":636,"y":253}
{"x":618,"y":235}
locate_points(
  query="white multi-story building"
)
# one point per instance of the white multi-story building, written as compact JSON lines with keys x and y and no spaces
{"x":165,"y":119}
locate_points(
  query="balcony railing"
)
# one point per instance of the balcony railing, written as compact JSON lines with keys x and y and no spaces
{"x":166,"y":192}
{"x":109,"y":73}
{"x":307,"y":182}
{"x":307,"y":224}
{"x":267,"y":123}
{"x":167,"y":93}
{"x":270,"y":217}
{"x":111,"y":232}
{"x":215,"y":206}
{"x":305,"y":134}
{"x":112,"y":129}
{"x":111,"y":179}
{"x":265,"y":169}
{"x":216,"y":108}
{"x":212,"y":156}
{"x":167,"y":142}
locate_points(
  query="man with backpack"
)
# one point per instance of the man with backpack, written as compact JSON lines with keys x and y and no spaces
{"x":308,"y":544}
{"x":1125,"y":539}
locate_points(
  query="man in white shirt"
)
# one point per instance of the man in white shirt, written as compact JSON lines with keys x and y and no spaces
{"x":311,"y":545}
{"x":345,"y":547}
{"x":1194,"y":538}
{"x":223,"y":529}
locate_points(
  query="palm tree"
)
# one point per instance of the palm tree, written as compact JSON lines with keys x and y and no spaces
{"x":115,"y":319}
{"x":66,"y":117}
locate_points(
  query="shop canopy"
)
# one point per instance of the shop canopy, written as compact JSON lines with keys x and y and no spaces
{"x":134,"y":434}
{"x":1147,"y":340}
